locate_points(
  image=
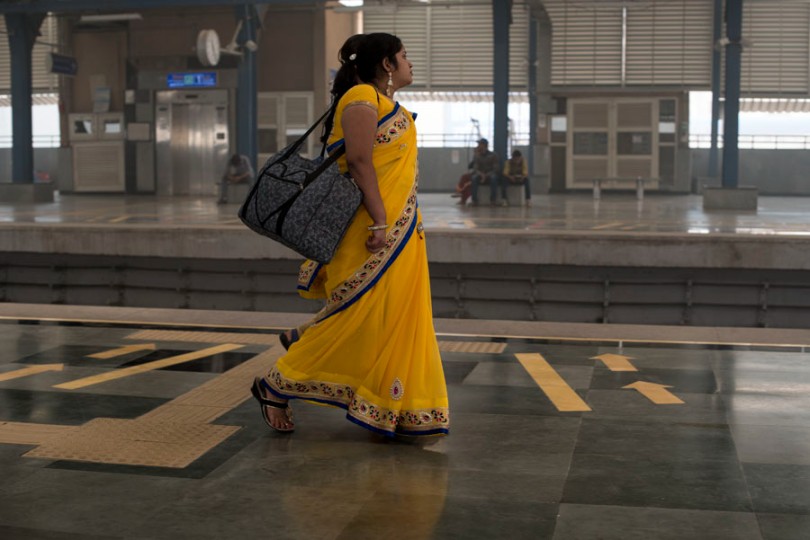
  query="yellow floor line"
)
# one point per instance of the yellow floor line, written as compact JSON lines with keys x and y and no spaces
{"x":561,"y":395}
{"x":32,"y":370}
{"x":607,"y":225}
{"x":204,"y":337}
{"x":121,"y":351}
{"x":158,"y":364}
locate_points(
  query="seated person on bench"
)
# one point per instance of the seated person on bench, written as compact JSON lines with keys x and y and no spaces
{"x":516,"y":172}
{"x":238,"y":171}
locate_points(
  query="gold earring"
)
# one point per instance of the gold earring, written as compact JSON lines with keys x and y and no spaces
{"x":390,"y":84}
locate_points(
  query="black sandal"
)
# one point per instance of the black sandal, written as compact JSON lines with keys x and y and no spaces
{"x":288,"y":342}
{"x":264,"y":402}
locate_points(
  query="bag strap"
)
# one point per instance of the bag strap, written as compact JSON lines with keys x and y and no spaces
{"x":342,"y":148}
{"x":297,"y":144}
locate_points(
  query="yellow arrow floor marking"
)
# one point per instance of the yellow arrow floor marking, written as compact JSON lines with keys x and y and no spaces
{"x":33,"y":370}
{"x":557,"y":390}
{"x":657,"y":393}
{"x":616,"y":362}
{"x":157,"y":364}
{"x":121,"y":351}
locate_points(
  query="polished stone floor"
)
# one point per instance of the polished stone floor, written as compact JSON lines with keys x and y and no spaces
{"x":615,"y":212}
{"x":551,"y":437}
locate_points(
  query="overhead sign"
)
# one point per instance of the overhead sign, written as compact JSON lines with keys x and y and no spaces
{"x":192,"y":80}
{"x":61,"y":64}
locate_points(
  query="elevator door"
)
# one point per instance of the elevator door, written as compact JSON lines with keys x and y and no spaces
{"x":192,"y":141}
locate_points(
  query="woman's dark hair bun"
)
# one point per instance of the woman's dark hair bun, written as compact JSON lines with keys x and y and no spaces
{"x":369,"y":50}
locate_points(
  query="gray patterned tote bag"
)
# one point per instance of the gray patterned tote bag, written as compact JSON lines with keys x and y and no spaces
{"x":305,"y":204}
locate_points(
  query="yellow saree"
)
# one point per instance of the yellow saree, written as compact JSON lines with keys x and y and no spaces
{"x":372,"y":348}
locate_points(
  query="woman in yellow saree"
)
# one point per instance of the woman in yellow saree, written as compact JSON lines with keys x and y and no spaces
{"x":372,"y":348}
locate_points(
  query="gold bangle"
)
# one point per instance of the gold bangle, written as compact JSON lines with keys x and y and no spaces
{"x":377,"y":227}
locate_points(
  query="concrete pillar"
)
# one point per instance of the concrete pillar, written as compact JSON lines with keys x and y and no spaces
{"x":731,"y":120}
{"x":542,"y":100}
{"x":246,"y":100}
{"x":23,"y":29}
{"x":718,"y":30}
{"x":730,"y":196}
{"x":501,"y":18}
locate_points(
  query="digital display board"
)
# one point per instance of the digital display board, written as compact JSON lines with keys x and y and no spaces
{"x":192,"y":80}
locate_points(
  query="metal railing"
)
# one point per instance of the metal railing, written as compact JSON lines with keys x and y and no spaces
{"x":758,"y":142}
{"x":458,"y":140}
{"x":435,"y":140}
{"x":462,"y":140}
{"x":40,"y":141}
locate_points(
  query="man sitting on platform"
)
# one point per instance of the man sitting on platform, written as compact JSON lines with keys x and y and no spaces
{"x":238,"y":171}
{"x":485,"y":169}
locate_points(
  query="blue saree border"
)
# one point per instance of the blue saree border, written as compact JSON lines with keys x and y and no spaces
{"x":391,"y":259}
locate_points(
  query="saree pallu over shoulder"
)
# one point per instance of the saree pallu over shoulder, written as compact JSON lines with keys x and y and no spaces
{"x":372,"y":349}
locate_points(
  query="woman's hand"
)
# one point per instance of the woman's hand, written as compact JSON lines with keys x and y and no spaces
{"x":376,"y":241}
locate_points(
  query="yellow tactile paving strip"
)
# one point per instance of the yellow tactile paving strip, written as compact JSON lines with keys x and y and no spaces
{"x":22,"y":433}
{"x":482,"y":347}
{"x":216,"y":397}
{"x":135,"y":442}
{"x":172,"y":435}
{"x":178,"y":433}
{"x":204,"y":337}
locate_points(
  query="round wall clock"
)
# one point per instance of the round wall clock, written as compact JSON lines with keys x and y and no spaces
{"x":208,"y":48}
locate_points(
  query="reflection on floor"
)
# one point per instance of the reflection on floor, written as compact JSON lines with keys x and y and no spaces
{"x":116,"y":431}
{"x":615,"y":212}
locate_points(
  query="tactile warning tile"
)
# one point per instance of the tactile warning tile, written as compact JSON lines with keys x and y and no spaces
{"x":211,"y":400}
{"x":190,"y":336}
{"x":172,"y":435}
{"x":135,"y":442}
{"x":482,"y":347}
{"x":23,"y":433}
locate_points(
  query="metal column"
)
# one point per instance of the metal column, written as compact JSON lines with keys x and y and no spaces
{"x":731,"y":122}
{"x":22,"y":32}
{"x":718,"y":31}
{"x":501,"y":18}
{"x":246,"y":93}
{"x":533,"y":116}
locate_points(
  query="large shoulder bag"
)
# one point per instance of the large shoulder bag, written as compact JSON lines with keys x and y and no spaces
{"x":307,"y":205}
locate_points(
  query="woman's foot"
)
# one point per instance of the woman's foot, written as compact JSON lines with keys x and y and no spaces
{"x":279,"y":419}
{"x":276,"y":412}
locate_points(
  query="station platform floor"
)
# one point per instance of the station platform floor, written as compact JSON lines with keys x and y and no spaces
{"x":619,"y":213}
{"x":138,"y":423}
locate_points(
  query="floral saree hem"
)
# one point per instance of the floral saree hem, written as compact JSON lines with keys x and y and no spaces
{"x":307,"y":274}
{"x":359,"y":410}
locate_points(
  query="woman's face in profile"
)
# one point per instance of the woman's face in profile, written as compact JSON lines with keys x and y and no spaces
{"x":403,"y":76}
